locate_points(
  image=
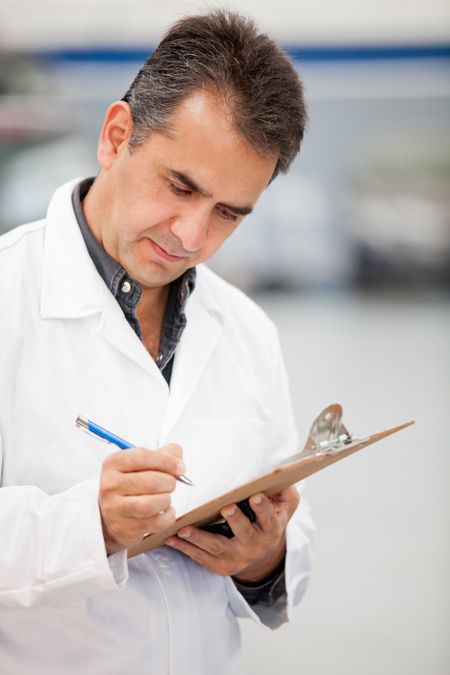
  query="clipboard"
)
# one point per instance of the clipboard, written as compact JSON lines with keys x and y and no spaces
{"x":328,"y":442}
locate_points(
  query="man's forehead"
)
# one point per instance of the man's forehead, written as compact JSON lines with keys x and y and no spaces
{"x":200,"y":146}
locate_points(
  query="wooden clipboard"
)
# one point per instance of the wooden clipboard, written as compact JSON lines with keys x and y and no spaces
{"x":278,"y":479}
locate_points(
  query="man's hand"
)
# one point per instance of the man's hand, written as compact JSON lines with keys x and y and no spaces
{"x":134,"y":497}
{"x":255,"y":550}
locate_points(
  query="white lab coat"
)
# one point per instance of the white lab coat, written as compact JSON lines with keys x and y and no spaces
{"x":66,"y":349}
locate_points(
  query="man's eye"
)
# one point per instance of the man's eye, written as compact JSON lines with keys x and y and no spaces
{"x":227,"y":215}
{"x":181,"y":192}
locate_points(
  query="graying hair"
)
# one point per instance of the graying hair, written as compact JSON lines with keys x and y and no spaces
{"x":223,"y":52}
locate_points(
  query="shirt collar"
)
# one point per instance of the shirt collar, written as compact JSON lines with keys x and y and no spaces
{"x":108,"y":268}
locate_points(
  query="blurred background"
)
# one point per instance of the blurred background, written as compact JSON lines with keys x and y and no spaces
{"x":349,"y":254}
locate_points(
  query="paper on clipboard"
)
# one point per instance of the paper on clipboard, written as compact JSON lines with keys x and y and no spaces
{"x":327,"y":443}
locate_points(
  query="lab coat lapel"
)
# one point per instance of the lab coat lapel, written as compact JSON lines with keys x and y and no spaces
{"x":72,"y":287}
{"x":195,"y":349}
{"x":115,"y":329}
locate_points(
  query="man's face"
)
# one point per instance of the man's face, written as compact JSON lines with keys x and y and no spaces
{"x":172,"y":202}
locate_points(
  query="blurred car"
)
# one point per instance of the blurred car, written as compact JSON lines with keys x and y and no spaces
{"x":401,"y":217}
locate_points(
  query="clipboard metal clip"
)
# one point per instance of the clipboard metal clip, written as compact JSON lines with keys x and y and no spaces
{"x":328,"y":435}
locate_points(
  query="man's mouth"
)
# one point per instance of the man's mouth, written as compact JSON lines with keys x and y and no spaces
{"x":165,"y":255}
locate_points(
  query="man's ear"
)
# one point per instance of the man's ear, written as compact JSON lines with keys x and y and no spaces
{"x":116,"y":130}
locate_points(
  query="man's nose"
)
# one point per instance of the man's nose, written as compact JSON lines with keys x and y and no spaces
{"x":191,"y":228}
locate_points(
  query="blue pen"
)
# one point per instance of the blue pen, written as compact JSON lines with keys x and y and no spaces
{"x":100,"y":432}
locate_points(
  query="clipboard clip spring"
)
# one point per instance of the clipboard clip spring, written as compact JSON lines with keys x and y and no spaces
{"x":333,"y":445}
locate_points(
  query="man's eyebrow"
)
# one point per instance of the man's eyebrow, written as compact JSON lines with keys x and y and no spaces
{"x":195,"y":187}
{"x":189,"y":182}
{"x":240,"y":210}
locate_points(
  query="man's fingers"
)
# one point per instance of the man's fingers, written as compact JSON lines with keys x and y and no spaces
{"x":128,"y":531}
{"x":241,"y":526}
{"x":144,"y":483}
{"x":159,"y":522}
{"x":144,"y":506}
{"x":286,"y":501}
{"x":199,"y":555}
{"x":212,"y":543}
{"x":266,"y":516}
{"x":134,"y":496}
{"x":141,"y":459}
{"x":172,"y":449}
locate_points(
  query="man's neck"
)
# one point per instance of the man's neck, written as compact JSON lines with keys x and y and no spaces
{"x":95,"y":209}
{"x":153,"y":300}
{"x":150,"y":312}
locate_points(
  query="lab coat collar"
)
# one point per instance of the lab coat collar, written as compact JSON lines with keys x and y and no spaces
{"x":71,"y":286}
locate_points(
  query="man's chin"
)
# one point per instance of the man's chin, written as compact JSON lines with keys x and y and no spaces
{"x":158,"y":275}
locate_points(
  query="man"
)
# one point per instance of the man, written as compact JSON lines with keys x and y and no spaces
{"x":107,"y":311}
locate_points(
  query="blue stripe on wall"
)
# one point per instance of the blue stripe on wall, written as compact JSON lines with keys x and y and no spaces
{"x":311,"y":54}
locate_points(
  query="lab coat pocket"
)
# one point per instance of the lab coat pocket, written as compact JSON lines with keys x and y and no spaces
{"x":225,"y":453}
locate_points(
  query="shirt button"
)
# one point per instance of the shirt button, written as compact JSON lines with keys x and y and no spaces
{"x":126,"y":287}
{"x":159,"y":358}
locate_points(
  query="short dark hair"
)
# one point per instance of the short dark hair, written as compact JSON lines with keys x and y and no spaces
{"x":224,"y":52}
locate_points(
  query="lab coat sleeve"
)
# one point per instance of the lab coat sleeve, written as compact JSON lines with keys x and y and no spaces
{"x":300,"y":530}
{"x":52,"y":548}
